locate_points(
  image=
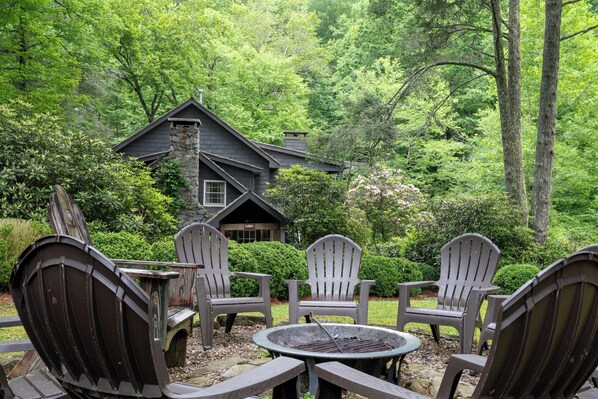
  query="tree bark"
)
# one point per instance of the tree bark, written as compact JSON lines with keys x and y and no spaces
{"x":508,"y":89}
{"x":546,"y":121}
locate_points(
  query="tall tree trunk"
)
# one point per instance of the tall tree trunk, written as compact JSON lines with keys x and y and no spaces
{"x":509,"y":104}
{"x":514,"y":132}
{"x":546,"y":120}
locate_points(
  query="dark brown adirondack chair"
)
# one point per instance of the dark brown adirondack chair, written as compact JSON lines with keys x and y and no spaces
{"x":494,"y":302}
{"x":333,"y":263}
{"x":90,"y":324}
{"x":467,"y":266}
{"x":173,"y":291}
{"x":547,"y":345}
{"x":202,"y":243}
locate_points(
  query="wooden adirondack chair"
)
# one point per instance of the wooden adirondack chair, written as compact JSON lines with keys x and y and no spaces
{"x":467,"y":266}
{"x":202,"y":243}
{"x":333,"y":263}
{"x":172,"y":291}
{"x":547,"y":345}
{"x":494,"y":301}
{"x":97,"y":340}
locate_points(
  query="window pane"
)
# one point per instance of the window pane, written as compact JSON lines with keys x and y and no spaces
{"x":215,"y":193}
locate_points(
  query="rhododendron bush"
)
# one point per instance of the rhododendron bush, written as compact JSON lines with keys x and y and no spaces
{"x":387,"y":201}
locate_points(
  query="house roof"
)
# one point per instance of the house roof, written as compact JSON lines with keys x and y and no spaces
{"x":222,"y":173}
{"x":192,"y":102}
{"x":245,"y":197}
{"x":331,"y":165}
{"x":233,"y":162}
{"x":153,"y":159}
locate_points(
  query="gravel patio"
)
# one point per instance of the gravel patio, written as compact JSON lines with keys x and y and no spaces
{"x":235,"y":353}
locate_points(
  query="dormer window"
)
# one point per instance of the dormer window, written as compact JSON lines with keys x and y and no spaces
{"x":214,"y":193}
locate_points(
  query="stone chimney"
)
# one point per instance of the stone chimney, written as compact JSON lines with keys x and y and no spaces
{"x":184,"y":147}
{"x":295,"y":140}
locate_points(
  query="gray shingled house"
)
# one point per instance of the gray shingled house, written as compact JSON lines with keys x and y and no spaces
{"x":227,"y":172}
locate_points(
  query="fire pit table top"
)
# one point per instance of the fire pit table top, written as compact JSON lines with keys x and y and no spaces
{"x":355,"y":341}
{"x":365,"y":348}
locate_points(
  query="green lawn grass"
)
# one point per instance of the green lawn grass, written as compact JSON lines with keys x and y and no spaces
{"x":381,"y":313}
{"x":11,"y":333}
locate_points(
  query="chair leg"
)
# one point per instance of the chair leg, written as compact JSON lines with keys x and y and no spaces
{"x":230,"y":320}
{"x":482,"y":346}
{"x":435,"y":332}
{"x":307,"y":318}
{"x":268,"y":316}
{"x":206,"y":322}
{"x":466,"y":338}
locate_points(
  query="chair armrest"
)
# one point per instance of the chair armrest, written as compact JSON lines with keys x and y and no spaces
{"x":252,"y":275}
{"x":10,"y":321}
{"x":282,"y":370}
{"x":364,"y":289}
{"x":405,"y":292}
{"x":295,"y":282}
{"x":417,"y":284}
{"x":454,"y":369}
{"x":262,"y":279}
{"x":333,"y":377}
{"x":142,"y":264}
{"x":477,"y":295}
{"x":494,"y":302}
{"x":487,"y":290}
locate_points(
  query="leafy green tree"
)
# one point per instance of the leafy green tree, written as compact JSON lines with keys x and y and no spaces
{"x":387,"y":201}
{"x":151,"y":44}
{"x":313,"y":202}
{"x":37,"y":153}
{"x":46,"y":52}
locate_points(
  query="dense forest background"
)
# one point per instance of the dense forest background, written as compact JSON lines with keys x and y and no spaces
{"x":383,"y":84}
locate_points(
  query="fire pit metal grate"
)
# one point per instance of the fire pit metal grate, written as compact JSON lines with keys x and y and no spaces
{"x":347,"y":345}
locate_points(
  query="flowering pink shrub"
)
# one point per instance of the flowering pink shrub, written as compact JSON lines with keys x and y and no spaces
{"x":387,"y":202}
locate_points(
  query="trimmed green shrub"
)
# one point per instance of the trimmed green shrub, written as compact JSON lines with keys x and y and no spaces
{"x":282,"y":261}
{"x":490,"y":216}
{"x":240,"y":259}
{"x":163,"y":250}
{"x":388,"y":272}
{"x":15,"y":236}
{"x":429,"y":273}
{"x":510,"y":277}
{"x":123,"y":245}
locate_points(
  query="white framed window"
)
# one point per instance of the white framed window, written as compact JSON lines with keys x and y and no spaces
{"x":214,"y":193}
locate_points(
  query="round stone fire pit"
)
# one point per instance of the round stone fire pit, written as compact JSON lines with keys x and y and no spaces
{"x":366,"y":348}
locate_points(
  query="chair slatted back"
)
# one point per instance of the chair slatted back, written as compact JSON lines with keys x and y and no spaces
{"x":67,"y":219}
{"x":333,"y":263}
{"x":468,"y":261}
{"x":204,"y":244}
{"x":65,"y":216}
{"x":547,"y":334}
{"x":87,"y":320}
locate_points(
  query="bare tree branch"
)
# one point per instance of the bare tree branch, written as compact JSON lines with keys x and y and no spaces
{"x":581,"y":32}
{"x":453,"y":91}
{"x":561,"y":112}
{"x":566,"y":3}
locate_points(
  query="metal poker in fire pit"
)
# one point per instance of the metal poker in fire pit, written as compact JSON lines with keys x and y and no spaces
{"x":374,"y":350}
